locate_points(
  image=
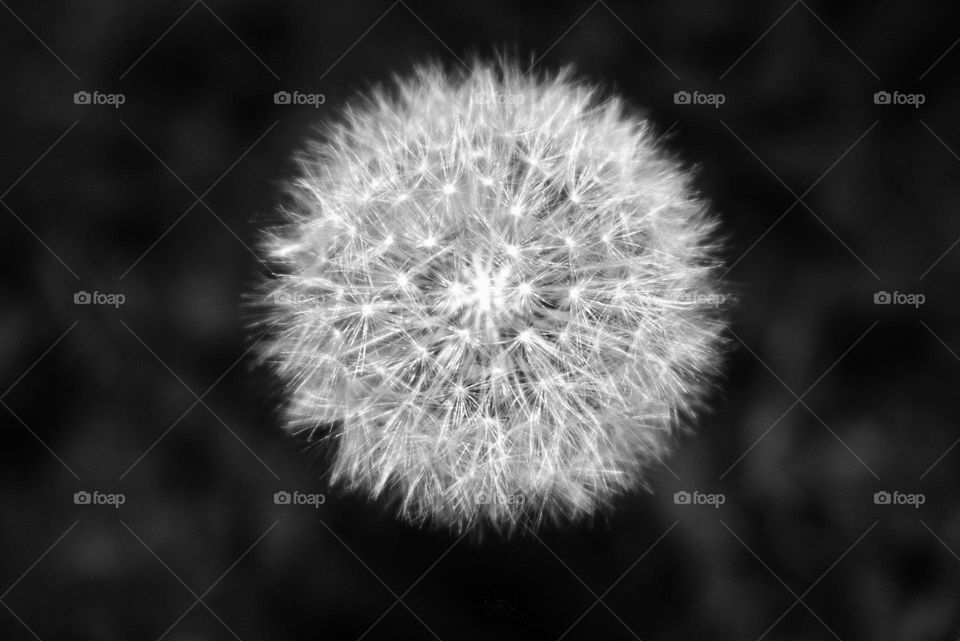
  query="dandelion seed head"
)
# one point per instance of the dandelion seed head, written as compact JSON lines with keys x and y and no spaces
{"x":499,"y":310}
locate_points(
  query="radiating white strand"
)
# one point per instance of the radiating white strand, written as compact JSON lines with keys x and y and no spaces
{"x":499,"y":290}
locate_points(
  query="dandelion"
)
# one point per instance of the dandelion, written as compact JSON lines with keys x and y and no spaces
{"x":496,"y":295}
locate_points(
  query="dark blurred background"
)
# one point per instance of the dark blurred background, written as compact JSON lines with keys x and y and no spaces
{"x":829,"y":193}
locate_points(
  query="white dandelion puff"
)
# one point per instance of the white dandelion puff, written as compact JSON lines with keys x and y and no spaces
{"x":502,"y":310}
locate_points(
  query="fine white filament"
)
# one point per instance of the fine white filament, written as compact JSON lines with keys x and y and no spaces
{"x":496,"y":294}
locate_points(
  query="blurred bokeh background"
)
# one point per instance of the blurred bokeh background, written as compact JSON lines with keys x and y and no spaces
{"x":829,"y":194}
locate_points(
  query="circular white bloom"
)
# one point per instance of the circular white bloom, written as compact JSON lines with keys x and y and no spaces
{"x":496,"y":294}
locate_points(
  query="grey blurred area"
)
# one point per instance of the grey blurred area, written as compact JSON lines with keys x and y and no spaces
{"x":144,"y":147}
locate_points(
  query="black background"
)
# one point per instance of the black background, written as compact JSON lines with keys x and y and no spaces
{"x":827,"y":198}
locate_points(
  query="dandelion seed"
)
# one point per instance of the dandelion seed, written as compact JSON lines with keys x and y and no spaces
{"x":507,"y":391}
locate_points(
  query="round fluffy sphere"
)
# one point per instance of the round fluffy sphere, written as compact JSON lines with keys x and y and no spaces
{"x":496,"y":294}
